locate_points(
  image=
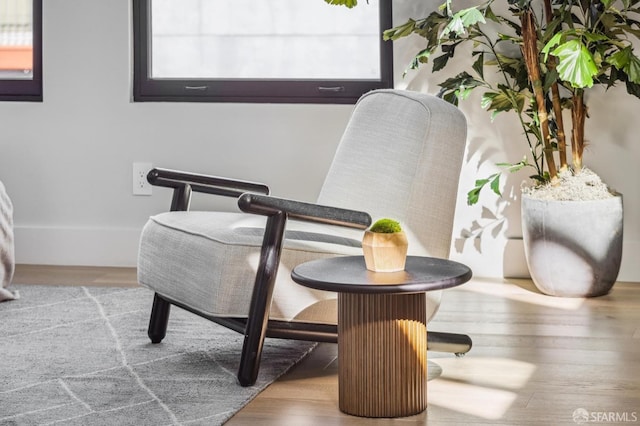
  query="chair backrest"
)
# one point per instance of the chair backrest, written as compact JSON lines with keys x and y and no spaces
{"x":400,"y":157}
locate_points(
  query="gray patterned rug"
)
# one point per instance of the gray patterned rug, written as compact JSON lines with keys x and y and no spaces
{"x":81,"y":356}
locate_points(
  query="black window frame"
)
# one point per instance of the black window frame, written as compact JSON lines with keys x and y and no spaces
{"x":28,"y":89}
{"x":147,"y":89}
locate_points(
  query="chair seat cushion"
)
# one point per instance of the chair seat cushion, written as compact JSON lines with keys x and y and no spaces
{"x":183,"y":257}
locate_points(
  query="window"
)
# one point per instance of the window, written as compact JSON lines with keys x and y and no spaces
{"x":20,"y":50}
{"x":260,"y":51}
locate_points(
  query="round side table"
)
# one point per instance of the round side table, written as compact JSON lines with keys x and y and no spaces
{"x":382,"y":329}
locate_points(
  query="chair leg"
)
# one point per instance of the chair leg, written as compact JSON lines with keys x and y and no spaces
{"x":258,"y":320}
{"x":159,"y":319}
{"x":250,"y":359}
{"x":458,"y":344}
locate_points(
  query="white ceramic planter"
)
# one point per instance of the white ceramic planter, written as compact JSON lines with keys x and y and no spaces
{"x":573,"y":248}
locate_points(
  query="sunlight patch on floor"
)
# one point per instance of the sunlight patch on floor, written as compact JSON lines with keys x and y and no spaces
{"x":495,"y":372}
{"x":517,"y":293}
{"x":482,"y":387}
{"x":475,"y":400}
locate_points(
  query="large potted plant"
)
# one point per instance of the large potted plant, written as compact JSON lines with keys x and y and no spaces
{"x":547,"y":54}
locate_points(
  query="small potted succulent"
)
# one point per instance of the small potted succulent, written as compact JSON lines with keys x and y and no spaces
{"x":385,"y":246}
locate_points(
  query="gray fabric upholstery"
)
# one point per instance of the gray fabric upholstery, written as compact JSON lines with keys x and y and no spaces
{"x":208,"y":261}
{"x":400,"y":157}
{"x":7,"y":259}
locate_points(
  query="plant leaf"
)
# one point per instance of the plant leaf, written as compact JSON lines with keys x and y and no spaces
{"x":473,"y":196}
{"x":448,"y":51}
{"x":626,"y":61}
{"x":478,"y":65}
{"x":400,"y":31}
{"x":555,"y":40}
{"x":575,"y":64}
{"x":458,"y":87}
{"x":505,"y":100}
{"x":462,"y":20}
{"x":421,"y":58}
{"x":440,"y":62}
{"x":494,"y":182}
{"x":348,"y":3}
{"x":633,"y":89}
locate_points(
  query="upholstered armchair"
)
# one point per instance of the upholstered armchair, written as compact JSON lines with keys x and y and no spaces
{"x":399,"y":157}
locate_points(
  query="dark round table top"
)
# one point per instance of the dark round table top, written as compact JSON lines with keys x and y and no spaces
{"x":349,"y":274}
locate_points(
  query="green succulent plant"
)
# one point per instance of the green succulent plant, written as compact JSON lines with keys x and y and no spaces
{"x":386,"y":226}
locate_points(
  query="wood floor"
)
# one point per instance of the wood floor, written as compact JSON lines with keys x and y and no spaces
{"x":536,"y":360}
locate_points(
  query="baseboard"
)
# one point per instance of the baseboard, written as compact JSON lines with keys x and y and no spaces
{"x":119,"y":247}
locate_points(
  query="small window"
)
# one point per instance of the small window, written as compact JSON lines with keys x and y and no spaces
{"x":21,"y":50}
{"x":260,"y":51}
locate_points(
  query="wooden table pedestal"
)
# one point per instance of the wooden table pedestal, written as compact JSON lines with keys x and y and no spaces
{"x":382,"y":354}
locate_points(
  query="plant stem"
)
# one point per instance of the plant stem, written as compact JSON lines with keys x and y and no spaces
{"x":492,"y":47}
{"x":578,"y":115}
{"x":555,"y":99}
{"x":531,"y":57}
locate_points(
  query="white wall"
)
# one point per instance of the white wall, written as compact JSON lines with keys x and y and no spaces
{"x":67,"y":161}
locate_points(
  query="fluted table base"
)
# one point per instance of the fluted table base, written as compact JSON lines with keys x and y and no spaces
{"x":382,"y":354}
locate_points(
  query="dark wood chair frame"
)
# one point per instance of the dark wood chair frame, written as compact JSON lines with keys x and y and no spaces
{"x":254,"y":198}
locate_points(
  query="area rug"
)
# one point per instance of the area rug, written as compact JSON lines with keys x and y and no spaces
{"x":81,"y":356}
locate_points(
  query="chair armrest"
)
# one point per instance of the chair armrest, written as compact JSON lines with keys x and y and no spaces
{"x":204,"y":183}
{"x":268,"y":206}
